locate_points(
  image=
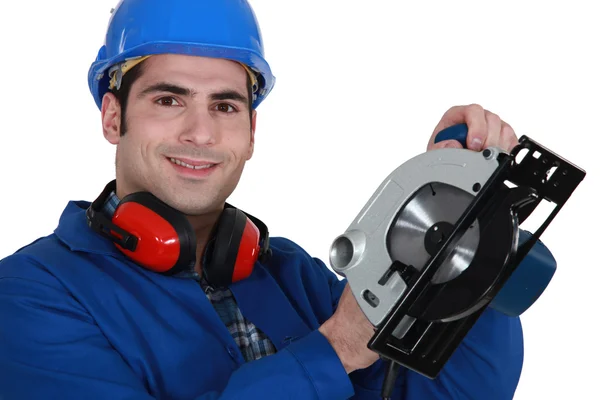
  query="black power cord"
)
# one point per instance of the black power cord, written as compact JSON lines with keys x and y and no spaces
{"x":391,"y":373}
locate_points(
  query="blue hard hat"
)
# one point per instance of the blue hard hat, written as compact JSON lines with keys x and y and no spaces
{"x":222,"y":29}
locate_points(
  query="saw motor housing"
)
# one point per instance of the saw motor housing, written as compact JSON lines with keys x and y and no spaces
{"x":440,"y":238}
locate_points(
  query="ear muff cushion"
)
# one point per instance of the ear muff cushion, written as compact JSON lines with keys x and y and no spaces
{"x":223,"y":251}
{"x":166,"y":240}
{"x":248,"y":252}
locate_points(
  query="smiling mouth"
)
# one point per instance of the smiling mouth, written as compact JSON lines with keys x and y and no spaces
{"x":186,"y":165}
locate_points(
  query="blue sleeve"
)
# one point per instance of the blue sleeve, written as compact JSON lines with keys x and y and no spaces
{"x":486,"y":365}
{"x":50,"y":347}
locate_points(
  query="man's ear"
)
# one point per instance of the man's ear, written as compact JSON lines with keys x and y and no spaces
{"x":111,"y":118}
{"x":252,"y":130}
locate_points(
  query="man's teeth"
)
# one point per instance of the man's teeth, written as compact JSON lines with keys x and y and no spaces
{"x":179,"y":162}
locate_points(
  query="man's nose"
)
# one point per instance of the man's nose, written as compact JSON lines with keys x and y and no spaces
{"x":200,"y":129}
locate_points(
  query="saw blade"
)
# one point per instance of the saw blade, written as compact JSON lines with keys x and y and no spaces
{"x":423,"y":224}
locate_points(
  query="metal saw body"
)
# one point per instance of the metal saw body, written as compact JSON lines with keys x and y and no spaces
{"x":439,"y":241}
{"x":362,"y":254}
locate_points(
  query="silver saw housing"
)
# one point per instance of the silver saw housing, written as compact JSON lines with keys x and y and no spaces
{"x":365,"y":252}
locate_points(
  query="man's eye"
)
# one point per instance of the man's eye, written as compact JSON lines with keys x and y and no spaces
{"x":226,"y":108}
{"x":167,"y":101}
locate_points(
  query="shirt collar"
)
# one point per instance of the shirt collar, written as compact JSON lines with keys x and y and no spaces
{"x":74,"y":232}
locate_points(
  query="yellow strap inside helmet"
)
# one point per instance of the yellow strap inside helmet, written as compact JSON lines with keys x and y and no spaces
{"x":116,"y":72}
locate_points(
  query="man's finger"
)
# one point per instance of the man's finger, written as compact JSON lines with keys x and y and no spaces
{"x":478,"y":130}
{"x":447,"y":144}
{"x":494,"y":129}
{"x":508,"y":138}
{"x":473,"y":115}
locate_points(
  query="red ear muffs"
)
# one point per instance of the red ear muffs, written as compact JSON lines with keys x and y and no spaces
{"x":161,"y":239}
{"x":234,"y":249}
{"x":166,"y":242}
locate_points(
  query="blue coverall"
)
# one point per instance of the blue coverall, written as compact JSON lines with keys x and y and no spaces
{"x":78,"y":320}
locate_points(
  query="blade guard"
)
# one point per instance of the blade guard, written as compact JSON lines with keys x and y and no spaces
{"x":535,"y":272}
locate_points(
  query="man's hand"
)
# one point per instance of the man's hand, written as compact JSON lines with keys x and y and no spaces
{"x":485,"y":129}
{"x":348,"y":330}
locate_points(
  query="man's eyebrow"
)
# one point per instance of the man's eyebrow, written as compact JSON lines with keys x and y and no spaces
{"x":167,"y":87}
{"x":229,"y":94}
{"x":162,"y":87}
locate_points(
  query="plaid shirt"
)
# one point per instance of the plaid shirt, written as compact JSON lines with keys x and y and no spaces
{"x":252,"y":342}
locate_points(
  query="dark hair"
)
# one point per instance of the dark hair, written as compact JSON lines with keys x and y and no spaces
{"x":122,"y":94}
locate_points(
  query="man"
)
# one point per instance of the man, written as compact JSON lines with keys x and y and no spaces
{"x":178,"y":84}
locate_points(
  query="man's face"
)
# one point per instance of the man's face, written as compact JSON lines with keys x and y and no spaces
{"x":188,"y":131}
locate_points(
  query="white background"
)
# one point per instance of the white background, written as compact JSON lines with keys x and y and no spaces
{"x":360,"y":87}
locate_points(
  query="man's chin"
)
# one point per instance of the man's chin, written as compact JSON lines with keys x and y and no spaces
{"x":192,"y":205}
{"x":192,"y":199}
{"x":198,"y":210}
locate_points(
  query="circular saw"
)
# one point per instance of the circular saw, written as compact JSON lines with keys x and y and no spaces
{"x":440,"y":240}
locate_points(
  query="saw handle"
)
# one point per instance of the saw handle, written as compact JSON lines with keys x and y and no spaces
{"x":533,"y":274}
{"x":455,"y":132}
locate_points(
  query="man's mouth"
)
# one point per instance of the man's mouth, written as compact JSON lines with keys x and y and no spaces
{"x":199,"y":165}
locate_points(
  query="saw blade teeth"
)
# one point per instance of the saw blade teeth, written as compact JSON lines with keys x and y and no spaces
{"x":429,"y":215}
